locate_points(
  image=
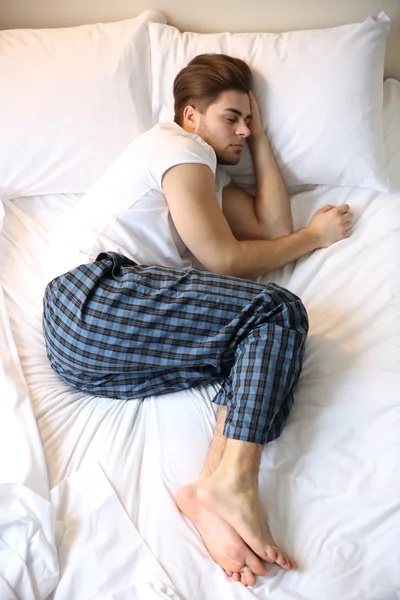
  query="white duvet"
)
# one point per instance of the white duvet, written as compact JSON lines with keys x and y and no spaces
{"x":95,"y":478}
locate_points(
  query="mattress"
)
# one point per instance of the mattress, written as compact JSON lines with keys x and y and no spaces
{"x":90,"y":482}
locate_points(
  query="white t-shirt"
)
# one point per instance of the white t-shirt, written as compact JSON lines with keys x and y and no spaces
{"x":126,"y":211}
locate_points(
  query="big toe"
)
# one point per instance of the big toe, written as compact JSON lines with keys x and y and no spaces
{"x":255,"y":564}
{"x":272,"y":554}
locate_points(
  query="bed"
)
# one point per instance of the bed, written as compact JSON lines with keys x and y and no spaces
{"x":87,"y":484}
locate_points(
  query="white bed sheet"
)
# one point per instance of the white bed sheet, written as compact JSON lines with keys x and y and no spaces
{"x":330,"y":484}
{"x":28,"y":555}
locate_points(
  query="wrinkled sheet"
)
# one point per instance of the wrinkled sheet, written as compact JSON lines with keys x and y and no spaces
{"x":28,"y":554}
{"x":100,"y":539}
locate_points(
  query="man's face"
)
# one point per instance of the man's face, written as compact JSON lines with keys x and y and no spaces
{"x":224,"y":126}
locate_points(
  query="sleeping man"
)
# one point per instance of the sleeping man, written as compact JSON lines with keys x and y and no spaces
{"x":139,"y":320}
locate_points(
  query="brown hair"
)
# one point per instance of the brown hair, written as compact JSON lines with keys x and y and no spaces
{"x":207,"y":76}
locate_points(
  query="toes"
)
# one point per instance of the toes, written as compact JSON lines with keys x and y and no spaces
{"x":247,"y":577}
{"x":229,"y":573}
{"x":255,"y":564}
{"x":236,"y":576}
{"x":272,"y":554}
{"x":283,"y":560}
{"x":287,"y":562}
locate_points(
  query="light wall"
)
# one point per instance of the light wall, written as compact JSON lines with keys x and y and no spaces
{"x":211,"y":15}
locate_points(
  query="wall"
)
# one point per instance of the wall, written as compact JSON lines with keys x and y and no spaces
{"x":211,"y":15}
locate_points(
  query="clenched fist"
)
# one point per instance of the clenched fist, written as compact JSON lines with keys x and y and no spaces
{"x":331,"y":224}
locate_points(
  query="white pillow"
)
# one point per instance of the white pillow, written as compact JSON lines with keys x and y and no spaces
{"x":71,"y":100}
{"x":391,"y":125}
{"x":1,"y":214}
{"x":320,"y":94}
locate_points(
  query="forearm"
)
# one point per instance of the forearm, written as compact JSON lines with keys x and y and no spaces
{"x":272,"y":202}
{"x":252,"y":258}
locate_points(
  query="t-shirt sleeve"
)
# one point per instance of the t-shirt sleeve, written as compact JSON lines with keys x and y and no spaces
{"x":176,"y":150}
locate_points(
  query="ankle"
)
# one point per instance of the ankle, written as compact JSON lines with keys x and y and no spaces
{"x":233,"y":482}
{"x":240,"y":464}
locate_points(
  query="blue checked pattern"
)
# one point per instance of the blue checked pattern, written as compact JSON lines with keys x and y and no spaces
{"x":117,"y":329}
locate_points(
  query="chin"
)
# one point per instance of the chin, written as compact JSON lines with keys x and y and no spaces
{"x":227,"y":160}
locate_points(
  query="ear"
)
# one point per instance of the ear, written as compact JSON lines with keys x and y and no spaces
{"x":189,"y":118}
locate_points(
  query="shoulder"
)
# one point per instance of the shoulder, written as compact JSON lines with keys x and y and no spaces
{"x":170,"y":137}
{"x":174,"y":146}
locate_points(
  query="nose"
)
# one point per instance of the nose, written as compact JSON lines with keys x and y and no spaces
{"x":243,"y":130}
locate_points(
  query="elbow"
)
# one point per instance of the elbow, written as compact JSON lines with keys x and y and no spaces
{"x":230,"y":271}
{"x":232,"y":267}
{"x":223,"y":267}
{"x":224,"y":262}
{"x":279,"y":232}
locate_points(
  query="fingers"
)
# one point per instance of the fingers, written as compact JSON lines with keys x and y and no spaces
{"x":346,"y":217}
{"x":326,"y":208}
{"x":342,"y":209}
{"x":255,"y":124}
{"x":253,"y":101}
{"x":347,"y":232}
{"x":347,"y":224}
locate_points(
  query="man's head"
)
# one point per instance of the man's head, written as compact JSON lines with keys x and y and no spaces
{"x":211,"y":100}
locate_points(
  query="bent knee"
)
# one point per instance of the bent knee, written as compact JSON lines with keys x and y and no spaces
{"x":292,"y":308}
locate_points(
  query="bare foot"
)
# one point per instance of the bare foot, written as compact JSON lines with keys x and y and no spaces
{"x":223,"y":543}
{"x":244,"y":512}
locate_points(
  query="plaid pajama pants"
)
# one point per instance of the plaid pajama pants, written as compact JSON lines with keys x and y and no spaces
{"x":117,"y":329}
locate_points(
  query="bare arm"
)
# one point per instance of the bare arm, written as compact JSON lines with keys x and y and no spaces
{"x":190,"y":193}
{"x":267,"y":215}
{"x":272,"y":204}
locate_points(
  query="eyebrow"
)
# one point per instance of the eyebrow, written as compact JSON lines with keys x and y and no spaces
{"x":238,"y":112}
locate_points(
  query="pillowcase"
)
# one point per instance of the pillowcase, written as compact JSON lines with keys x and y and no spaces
{"x":319,"y":92}
{"x":72,"y":99}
